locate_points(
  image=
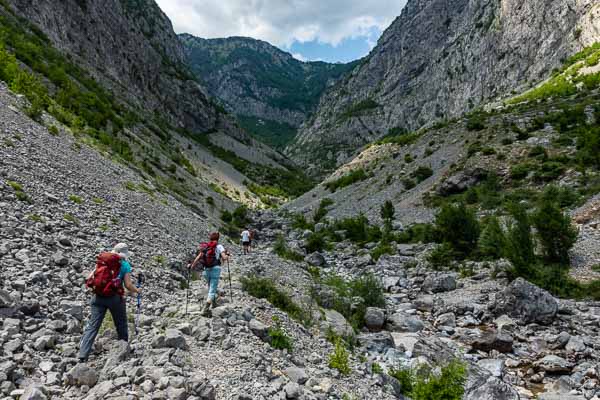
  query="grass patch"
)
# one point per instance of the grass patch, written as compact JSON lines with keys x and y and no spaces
{"x":70,"y":218}
{"x":75,"y":199}
{"x":35,"y":218}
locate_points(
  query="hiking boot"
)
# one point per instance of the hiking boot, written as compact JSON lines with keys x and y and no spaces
{"x":206,"y":311}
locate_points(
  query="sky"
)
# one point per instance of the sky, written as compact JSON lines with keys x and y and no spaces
{"x":312,"y":30}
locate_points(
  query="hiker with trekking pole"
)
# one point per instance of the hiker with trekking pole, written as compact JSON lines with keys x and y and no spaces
{"x":209,"y":259}
{"x":107,"y":281}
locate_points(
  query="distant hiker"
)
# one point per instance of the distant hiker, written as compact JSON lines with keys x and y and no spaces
{"x":253,"y":237}
{"x":112,"y":272}
{"x":246,"y":240}
{"x":211,"y":255}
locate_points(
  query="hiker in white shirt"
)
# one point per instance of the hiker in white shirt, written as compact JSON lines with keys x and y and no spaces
{"x":246,"y":241}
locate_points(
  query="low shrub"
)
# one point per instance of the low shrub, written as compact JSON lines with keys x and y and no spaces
{"x":264,"y":288}
{"x":347,"y":180}
{"x":520,"y":171}
{"x":339,"y":359}
{"x":380,"y":250}
{"x":299,"y":222}
{"x":422,"y":173}
{"x":476,"y":122}
{"x":448,"y":385}
{"x":358,"y":229}
{"x":367,"y":287}
{"x":278,"y":338}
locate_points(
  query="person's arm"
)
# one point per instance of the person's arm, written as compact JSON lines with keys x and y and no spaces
{"x":130,"y":286}
{"x":193,"y":264}
{"x":224,"y":255}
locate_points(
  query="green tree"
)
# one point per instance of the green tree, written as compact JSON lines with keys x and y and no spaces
{"x":519,"y":241}
{"x":458,"y":226}
{"x":554,"y":231}
{"x":492,"y":241}
{"x":387,"y":211}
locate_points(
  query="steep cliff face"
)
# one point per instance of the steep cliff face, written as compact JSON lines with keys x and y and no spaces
{"x":438,"y":60}
{"x":113,"y":75}
{"x":130,"y":47}
{"x":254,"y":80}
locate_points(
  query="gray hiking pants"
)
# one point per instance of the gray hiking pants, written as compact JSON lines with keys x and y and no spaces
{"x":118,"y":311}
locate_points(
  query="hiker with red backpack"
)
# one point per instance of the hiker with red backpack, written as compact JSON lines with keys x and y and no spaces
{"x":211,"y":256}
{"x":107,"y":281}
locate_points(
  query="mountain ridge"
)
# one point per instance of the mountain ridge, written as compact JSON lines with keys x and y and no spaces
{"x":258,"y":81}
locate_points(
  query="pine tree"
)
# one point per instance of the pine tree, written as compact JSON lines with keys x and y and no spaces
{"x":458,"y":226}
{"x":492,"y":241}
{"x":554,"y":231}
{"x":519,"y":241}
{"x":387,"y":211}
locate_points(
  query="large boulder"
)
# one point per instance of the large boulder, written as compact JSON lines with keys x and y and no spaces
{"x":337,"y":323}
{"x":525,"y":303}
{"x":316,"y":259}
{"x":175,"y":339}
{"x":490,"y":340}
{"x":461,"y":181}
{"x":376,"y":342}
{"x":439,"y":283}
{"x":554,"y":364}
{"x":402,"y":322}
{"x":259,"y":329}
{"x":6,"y":299}
{"x":374,"y":318}
{"x":82,"y":375}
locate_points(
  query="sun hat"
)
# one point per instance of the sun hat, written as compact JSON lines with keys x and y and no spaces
{"x":123,"y":250}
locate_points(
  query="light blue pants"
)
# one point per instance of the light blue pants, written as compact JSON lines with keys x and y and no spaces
{"x":212,"y":276}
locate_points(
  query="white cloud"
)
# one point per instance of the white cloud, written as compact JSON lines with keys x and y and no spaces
{"x":299,"y":56}
{"x":281,"y":22}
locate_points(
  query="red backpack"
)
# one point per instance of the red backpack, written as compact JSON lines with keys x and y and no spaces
{"x":208,"y":254}
{"x":105,"y":280}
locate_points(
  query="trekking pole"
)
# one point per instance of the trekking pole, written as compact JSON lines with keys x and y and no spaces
{"x":229,"y":274}
{"x":187,"y":289}
{"x":140,"y":282}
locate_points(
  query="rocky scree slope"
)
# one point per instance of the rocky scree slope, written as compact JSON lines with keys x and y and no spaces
{"x":438,"y":60}
{"x":519,"y":341}
{"x":138,"y":107}
{"x":61,"y":202}
{"x":271,"y":92}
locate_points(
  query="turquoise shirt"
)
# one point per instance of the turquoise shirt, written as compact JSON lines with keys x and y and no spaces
{"x":125,"y":269}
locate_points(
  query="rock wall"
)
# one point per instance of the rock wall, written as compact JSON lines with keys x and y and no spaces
{"x":438,"y":60}
{"x":129,"y":46}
